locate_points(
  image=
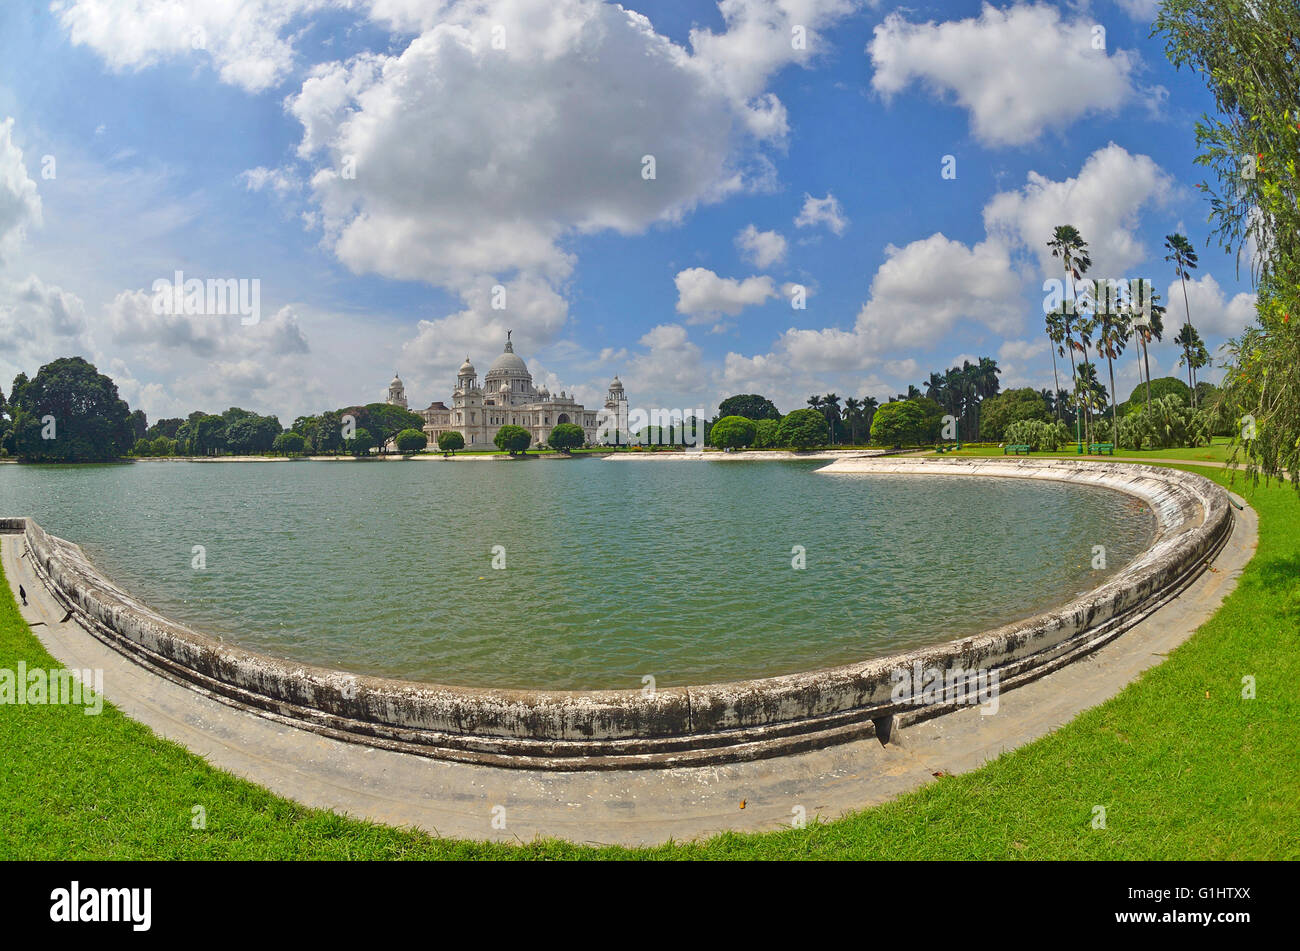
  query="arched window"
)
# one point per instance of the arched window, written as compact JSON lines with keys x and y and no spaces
{"x":562,"y":418}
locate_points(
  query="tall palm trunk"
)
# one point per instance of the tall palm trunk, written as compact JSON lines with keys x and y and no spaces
{"x":1146,"y":360}
{"x":1087,"y":403}
{"x":1187,"y":309}
{"x":1069,"y":340}
{"x":1056,"y":382}
{"x":1114,"y":412}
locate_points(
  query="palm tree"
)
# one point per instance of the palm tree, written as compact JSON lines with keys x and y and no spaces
{"x":1092,"y":394}
{"x":986,"y":377}
{"x":852,"y":416}
{"x":1063,"y":399}
{"x":935,"y":388}
{"x":1087,"y":326}
{"x":831,"y":410}
{"x":1149,"y":326}
{"x":1183,"y":256}
{"x":1114,"y":329}
{"x":1050,"y":401}
{"x":1068,"y":245}
{"x":965,"y":394}
{"x":869,"y":404}
{"x":1194,"y":355}
{"x":1055,"y":325}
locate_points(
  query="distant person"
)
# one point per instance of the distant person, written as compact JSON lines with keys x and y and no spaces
{"x":22,"y":594}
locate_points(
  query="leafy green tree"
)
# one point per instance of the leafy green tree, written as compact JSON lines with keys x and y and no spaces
{"x":1160,"y":387}
{"x":361,"y":442}
{"x":566,"y":437}
{"x":1010,"y":406}
{"x":1247,"y":52}
{"x":900,"y":423}
{"x":411,"y":440}
{"x":162,"y":446}
{"x":765,"y":433}
{"x":384,"y":421}
{"x":290,"y":444}
{"x":139,"y":424}
{"x":250,"y":434}
{"x":164,"y":427}
{"x":70,"y":412}
{"x":142,"y":447}
{"x":450,"y":441}
{"x":327,"y":435}
{"x":803,"y":429}
{"x":749,"y":405}
{"x":513,"y":439}
{"x":734,"y":432}
{"x":208,"y":435}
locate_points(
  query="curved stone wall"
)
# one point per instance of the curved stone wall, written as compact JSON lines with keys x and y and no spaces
{"x":673,"y":726}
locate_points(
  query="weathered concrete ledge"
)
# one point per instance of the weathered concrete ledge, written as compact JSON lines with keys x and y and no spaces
{"x":627,"y":729}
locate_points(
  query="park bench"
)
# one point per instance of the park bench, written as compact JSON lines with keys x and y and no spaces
{"x":1019,"y":450}
{"x":1102,"y":448}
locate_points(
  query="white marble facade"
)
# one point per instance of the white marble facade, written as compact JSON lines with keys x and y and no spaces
{"x":507,"y":397}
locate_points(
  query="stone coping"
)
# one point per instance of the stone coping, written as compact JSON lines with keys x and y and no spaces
{"x":621,"y":729}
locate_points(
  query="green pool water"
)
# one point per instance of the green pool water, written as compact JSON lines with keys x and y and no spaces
{"x":614,"y":571}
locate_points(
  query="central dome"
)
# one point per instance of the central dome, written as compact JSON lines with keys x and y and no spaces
{"x":509,"y":365}
{"x":509,"y":362}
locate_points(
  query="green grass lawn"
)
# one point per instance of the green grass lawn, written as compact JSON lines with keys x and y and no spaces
{"x":1217,"y":451}
{"x":1185,"y":767}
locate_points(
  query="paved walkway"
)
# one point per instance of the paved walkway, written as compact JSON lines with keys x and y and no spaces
{"x":642,"y":807}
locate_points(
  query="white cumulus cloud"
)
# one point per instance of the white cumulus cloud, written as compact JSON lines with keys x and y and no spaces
{"x":702,"y":294}
{"x":1017,"y":71}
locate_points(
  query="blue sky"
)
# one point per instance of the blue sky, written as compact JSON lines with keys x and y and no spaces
{"x":500,"y":144}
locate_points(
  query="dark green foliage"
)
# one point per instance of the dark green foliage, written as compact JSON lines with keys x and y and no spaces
{"x":996,"y":413}
{"x":749,"y":405}
{"x":733,"y":432}
{"x":411,"y":440}
{"x":290,"y":444}
{"x":566,"y":436}
{"x":70,"y":412}
{"x":902,"y":423}
{"x":803,"y":429}
{"x":513,"y":439}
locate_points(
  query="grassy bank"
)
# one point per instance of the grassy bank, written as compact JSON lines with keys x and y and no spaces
{"x":1217,"y":451}
{"x":1185,"y":767}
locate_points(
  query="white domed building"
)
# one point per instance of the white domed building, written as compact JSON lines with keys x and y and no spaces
{"x":507,"y":398}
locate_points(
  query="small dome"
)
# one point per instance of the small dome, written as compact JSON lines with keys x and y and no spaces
{"x":467,"y":368}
